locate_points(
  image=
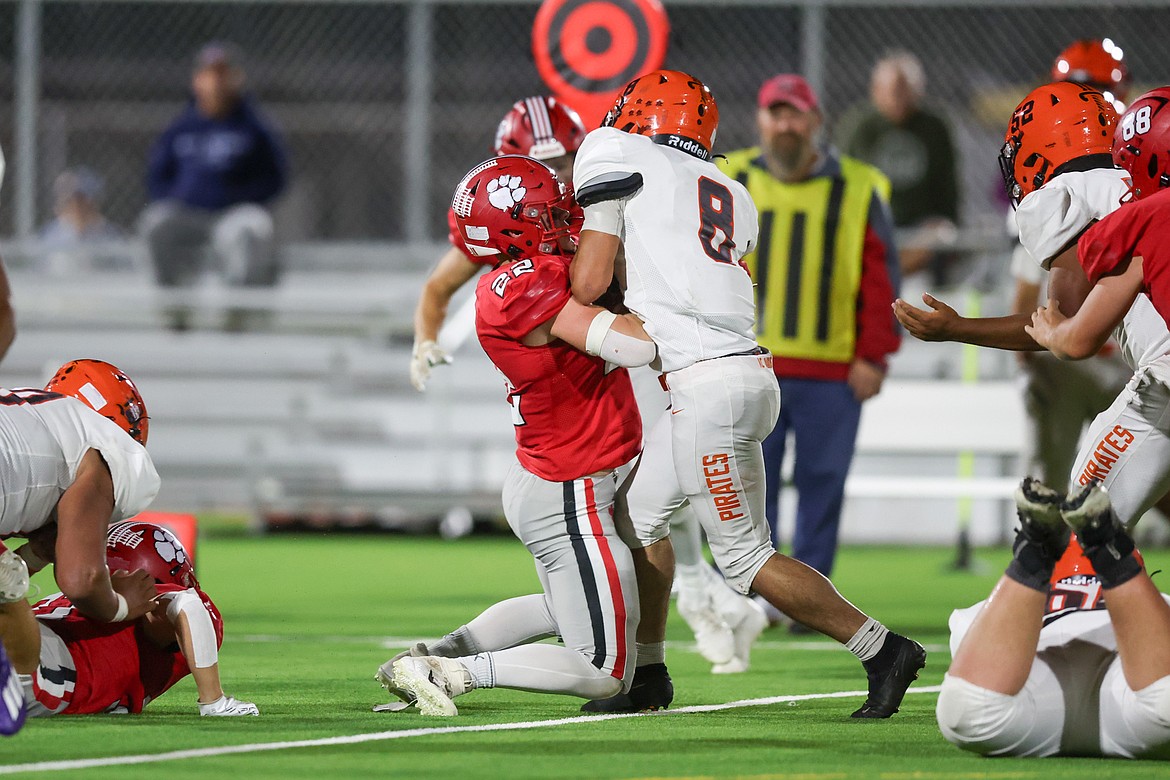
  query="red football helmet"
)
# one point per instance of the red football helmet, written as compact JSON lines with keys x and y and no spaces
{"x":672,"y":108}
{"x":136,"y":545}
{"x":1141,"y":142}
{"x":1051,"y":129}
{"x":511,"y":205}
{"x":1099,"y":63}
{"x":105,"y":389}
{"x":541,"y":128}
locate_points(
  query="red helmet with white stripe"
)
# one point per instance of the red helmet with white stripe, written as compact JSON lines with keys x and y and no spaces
{"x":136,"y":545}
{"x":539,"y":127}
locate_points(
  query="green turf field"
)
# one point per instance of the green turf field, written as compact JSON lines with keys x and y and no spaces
{"x":310,"y":618}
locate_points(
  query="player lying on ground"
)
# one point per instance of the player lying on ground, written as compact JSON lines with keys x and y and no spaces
{"x":1068,"y":655}
{"x":1056,"y":158}
{"x":577,"y":434}
{"x":648,"y":186}
{"x":69,"y":470}
{"x":72,"y":664}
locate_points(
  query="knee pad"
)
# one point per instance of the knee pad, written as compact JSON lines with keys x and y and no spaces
{"x":970,"y":716}
{"x":1155,"y":700}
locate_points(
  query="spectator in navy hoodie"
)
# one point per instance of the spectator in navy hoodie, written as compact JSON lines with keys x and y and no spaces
{"x":212,"y":175}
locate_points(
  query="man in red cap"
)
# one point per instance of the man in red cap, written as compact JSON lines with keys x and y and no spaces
{"x":826,"y":274}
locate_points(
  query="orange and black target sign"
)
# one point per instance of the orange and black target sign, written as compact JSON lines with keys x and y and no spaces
{"x":588,"y":50}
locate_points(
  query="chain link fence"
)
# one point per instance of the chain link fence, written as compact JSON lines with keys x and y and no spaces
{"x":383,"y":106}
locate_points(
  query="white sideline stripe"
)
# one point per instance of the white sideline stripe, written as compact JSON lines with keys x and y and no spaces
{"x":400,"y":642}
{"x":379,"y":736}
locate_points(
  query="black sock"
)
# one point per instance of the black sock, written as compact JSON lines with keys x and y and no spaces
{"x":1113,"y":559}
{"x":1031,"y":564}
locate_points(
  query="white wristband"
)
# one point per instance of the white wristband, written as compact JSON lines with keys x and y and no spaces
{"x":597,"y":331}
{"x":123,"y":609}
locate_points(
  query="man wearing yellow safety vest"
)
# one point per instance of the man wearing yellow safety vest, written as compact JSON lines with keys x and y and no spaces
{"x":826,"y":274}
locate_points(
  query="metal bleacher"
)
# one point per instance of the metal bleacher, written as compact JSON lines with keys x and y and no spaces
{"x":310,"y":416}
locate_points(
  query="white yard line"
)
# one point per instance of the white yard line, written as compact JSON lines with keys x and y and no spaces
{"x":402,"y":642}
{"x":380,"y":736}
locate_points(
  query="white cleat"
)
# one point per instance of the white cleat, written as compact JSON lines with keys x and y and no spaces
{"x":385,"y":676}
{"x":747,"y":625}
{"x":13,"y":577}
{"x":433,"y":682}
{"x":712,"y":634}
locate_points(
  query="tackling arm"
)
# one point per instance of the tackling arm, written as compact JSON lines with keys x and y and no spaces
{"x":618,"y":339}
{"x":83,"y":513}
{"x":1083,"y":334}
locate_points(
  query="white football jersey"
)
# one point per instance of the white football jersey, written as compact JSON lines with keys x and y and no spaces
{"x":1052,"y":218}
{"x":685,"y":231}
{"x":42,"y":443}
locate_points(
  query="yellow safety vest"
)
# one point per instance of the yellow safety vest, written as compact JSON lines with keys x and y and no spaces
{"x":807,"y":264}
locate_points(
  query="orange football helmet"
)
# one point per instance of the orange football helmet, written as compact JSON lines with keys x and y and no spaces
{"x":671,"y":108}
{"x":1141,"y":143}
{"x":1097,"y":62}
{"x":1056,"y":128}
{"x":105,"y":389}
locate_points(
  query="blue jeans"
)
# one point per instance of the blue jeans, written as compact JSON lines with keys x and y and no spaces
{"x":823,"y":416}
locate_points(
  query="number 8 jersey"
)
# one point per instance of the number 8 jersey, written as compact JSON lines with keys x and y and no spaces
{"x":685,"y":226}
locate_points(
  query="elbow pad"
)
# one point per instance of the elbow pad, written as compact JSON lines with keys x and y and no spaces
{"x":606,"y":343}
{"x":203,"y":643}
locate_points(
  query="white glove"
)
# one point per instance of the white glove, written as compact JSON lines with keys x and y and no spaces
{"x":226,"y":706}
{"x":426,"y":355}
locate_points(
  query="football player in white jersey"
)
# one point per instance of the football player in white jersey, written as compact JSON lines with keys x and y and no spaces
{"x":646,"y":183}
{"x":73,"y":463}
{"x":1069,"y":655}
{"x":1058,"y":168}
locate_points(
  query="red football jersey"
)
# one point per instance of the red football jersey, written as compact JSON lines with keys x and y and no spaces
{"x":572,"y":417}
{"x":1137,"y":229}
{"x":117,"y":665}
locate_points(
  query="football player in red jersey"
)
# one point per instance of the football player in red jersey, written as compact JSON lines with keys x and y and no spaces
{"x":73,"y":664}
{"x":1070,"y":655}
{"x":540,"y":127}
{"x":578,"y":434}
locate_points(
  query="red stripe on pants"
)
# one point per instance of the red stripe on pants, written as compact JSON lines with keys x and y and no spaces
{"x":615,"y":583}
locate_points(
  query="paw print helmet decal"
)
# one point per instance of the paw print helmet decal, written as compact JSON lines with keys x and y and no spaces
{"x":541,"y":128}
{"x":672,"y":108}
{"x":513,"y":206}
{"x":105,"y":389}
{"x":136,"y":545}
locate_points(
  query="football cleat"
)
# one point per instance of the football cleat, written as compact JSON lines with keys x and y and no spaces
{"x":1039,"y":510}
{"x":13,"y":577}
{"x":433,"y":682}
{"x":890,"y":673}
{"x":1089,"y":512}
{"x":713,"y":636}
{"x":13,"y":710}
{"x":651,"y":691}
{"x":746,"y":628}
{"x":385,"y":674}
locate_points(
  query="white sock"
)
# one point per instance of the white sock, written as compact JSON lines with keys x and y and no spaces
{"x":651,"y":653}
{"x":543,"y":668}
{"x":868,"y":640}
{"x":481,"y":668}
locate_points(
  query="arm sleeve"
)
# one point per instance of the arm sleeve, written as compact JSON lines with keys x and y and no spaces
{"x":607,"y":216}
{"x":601,"y":170}
{"x":204,"y":638}
{"x":161,"y":166}
{"x":529,"y":298}
{"x":877,"y":329}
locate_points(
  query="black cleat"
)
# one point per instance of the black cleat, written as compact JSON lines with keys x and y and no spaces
{"x":890,"y":673}
{"x":651,"y":691}
{"x":1039,"y":510}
